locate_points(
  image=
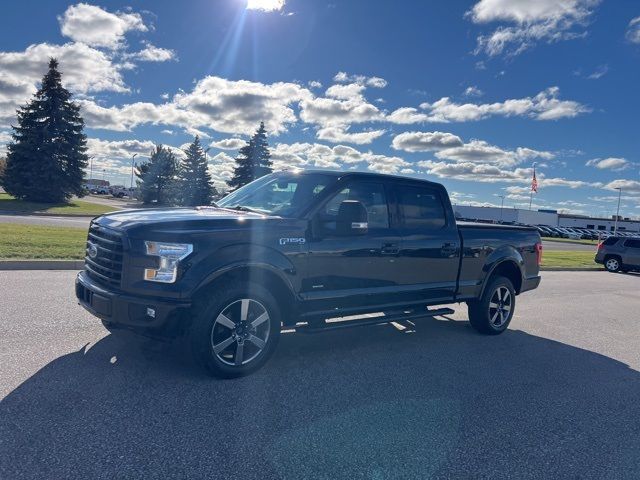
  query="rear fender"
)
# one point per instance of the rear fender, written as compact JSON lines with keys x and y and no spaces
{"x":500,"y":258}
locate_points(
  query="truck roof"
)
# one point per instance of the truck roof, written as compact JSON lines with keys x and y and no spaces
{"x":339,"y":173}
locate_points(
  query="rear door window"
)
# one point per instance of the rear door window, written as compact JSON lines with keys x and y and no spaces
{"x":420,"y":208}
{"x":610,"y":241}
{"x":632,"y":243}
{"x":371,"y":195}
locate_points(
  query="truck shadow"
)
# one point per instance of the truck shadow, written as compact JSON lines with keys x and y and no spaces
{"x":377,"y":402}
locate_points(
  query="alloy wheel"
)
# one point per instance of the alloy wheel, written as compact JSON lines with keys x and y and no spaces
{"x":612,"y":264}
{"x":240,"y":332}
{"x":500,"y":306}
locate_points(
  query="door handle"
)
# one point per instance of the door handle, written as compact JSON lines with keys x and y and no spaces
{"x":390,"y":249}
{"x":449,"y":249}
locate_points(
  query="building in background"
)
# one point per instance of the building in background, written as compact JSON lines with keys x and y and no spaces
{"x":543,"y":217}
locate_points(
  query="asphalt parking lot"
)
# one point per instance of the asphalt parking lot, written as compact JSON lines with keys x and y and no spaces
{"x":556,"y":396}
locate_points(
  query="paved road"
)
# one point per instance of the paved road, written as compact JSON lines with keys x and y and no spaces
{"x":80,"y":222}
{"x":117,"y":203}
{"x":551,"y":245}
{"x":553,"y":397}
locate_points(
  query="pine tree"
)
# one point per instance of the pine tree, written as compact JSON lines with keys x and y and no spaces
{"x":194,"y":177}
{"x":253,"y":160}
{"x":47,"y":156}
{"x":159,"y":178}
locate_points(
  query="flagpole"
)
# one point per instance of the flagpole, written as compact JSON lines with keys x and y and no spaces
{"x":532,"y":186}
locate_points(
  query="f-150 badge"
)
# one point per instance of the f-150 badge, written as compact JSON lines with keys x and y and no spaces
{"x":295,"y":240}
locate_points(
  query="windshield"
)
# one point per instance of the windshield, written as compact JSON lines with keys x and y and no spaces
{"x":278,"y":194}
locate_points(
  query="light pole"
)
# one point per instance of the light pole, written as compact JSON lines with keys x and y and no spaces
{"x":501,"y":206}
{"x":103,"y":174}
{"x":132,"y":165}
{"x":615,"y":225}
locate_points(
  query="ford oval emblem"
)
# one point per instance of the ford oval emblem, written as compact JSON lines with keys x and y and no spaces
{"x":92,"y":250}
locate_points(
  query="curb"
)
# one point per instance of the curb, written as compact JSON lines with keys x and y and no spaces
{"x":571,"y":269}
{"x":41,"y":264}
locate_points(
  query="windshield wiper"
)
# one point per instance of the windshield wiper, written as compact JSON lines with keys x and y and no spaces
{"x":244,"y":208}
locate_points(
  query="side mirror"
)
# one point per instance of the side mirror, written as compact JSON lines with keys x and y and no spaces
{"x":352,"y":218}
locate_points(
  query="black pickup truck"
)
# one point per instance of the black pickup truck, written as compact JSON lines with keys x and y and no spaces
{"x":300,"y":250}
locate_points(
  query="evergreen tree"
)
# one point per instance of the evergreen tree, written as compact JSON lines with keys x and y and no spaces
{"x":253,"y":160}
{"x":159,"y":178}
{"x":47,"y":155}
{"x":195,"y":180}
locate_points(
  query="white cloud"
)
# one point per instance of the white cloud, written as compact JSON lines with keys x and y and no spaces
{"x":265,"y":5}
{"x":215,"y":103}
{"x":546,"y":105}
{"x":476,"y":172}
{"x":337,"y":157}
{"x":96,"y":27}
{"x":633,"y":30}
{"x":627,"y":186}
{"x":532,"y":21}
{"x":407,"y":116}
{"x":473,"y":91}
{"x":151,"y":53}
{"x":229,"y":144}
{"x":425,"y":141}
{"x":84,"y":69}
{"x":119,"y":149}
{"x":599,"y":72}
{"x":376,"y":82}
{"x":341,"y":134}
{"x":314,"y":84}
{"x":479,"y":151}
{"x":611,"y":163}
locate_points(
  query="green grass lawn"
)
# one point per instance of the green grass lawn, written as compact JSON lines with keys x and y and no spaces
{"x":558,"y":258}
{"x":74,"y":207}
{"x":41,"y":242}
{"x":568,"y":240}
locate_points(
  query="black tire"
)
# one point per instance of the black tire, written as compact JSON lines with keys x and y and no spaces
{"x":613,"y":264}
{"x":210,"y":329}
{"x":489,"y":314}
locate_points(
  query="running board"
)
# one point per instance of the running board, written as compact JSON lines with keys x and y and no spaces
{"x":340,"y":325}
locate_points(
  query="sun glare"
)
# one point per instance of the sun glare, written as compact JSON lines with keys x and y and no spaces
{"x":265,"y":5}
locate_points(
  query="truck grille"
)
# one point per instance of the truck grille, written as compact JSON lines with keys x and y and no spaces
{"x":103,"y":260}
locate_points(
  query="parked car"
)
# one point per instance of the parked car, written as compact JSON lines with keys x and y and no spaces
{"x":568,"y":233}
{"x":296,"y":249}
{"x":120,"y":191}
{"x":618,"y":253}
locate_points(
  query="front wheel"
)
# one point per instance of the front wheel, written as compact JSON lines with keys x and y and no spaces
{"x":235,"y":330}
{"x":492,"y":313}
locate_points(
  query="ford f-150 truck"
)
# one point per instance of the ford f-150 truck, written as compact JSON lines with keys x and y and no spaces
{"x":299,"y":250}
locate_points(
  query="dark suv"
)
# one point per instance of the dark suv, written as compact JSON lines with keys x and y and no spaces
{"x":619,"y":254}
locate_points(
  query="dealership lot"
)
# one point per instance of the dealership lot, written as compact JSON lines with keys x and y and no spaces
{"x":555,"y":396}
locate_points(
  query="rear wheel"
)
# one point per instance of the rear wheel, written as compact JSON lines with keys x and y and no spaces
{"x":235,"y":330}
{"x":612,"y":264}
{"x":492,"y":313}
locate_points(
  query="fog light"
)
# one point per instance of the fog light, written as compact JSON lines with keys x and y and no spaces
{"x":151,"y":312}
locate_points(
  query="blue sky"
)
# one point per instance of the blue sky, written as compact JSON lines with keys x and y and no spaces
{"x":469,"y":93}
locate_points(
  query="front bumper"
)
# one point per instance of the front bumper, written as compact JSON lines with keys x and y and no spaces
{"x":132,"y":312}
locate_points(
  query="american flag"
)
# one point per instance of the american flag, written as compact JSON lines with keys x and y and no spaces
{"x":534,"y":182}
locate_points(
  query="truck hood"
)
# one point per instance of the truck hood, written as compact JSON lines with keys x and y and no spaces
{"x":179,"y":218}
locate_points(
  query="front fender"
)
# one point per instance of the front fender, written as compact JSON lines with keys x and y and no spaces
{"x":246,"y":255}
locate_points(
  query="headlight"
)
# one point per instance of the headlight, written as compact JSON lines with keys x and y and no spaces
{"x":170,"y":255}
